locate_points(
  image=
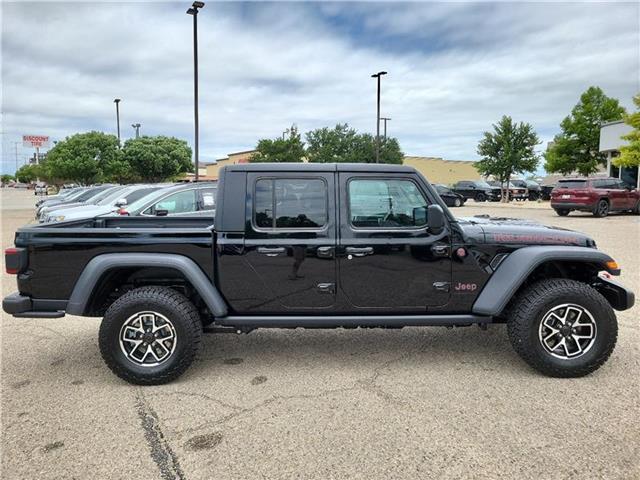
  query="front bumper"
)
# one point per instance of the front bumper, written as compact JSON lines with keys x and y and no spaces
{"x":25,"y":307}
{"x":618,"y":296}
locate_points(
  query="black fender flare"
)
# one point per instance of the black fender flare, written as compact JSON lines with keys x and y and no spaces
{"x":515,"y":269}
{"x":98,"y":266}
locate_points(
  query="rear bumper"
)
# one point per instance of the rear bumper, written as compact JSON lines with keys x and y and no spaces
{"x":25,"y":307}
{"x":571,"y":205}
{"x":618,"y":296}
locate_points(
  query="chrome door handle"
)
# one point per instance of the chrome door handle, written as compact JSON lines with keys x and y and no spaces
{"x":271,"y":251}
{"x":359,"y":251}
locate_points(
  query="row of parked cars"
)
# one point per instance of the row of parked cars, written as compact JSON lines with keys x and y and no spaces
{"x":520,"y":190}
{"x":193,"y":199}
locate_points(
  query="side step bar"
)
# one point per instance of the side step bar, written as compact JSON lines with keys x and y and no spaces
{"x":333,"y":321}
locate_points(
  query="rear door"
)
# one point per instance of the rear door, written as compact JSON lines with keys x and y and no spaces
{"x":290,"y":241}
{"x":387,"y":259}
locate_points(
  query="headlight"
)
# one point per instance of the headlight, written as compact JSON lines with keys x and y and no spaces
{"x":59,"y":218}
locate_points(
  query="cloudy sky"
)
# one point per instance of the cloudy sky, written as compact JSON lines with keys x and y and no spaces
{"x":454,"y":68}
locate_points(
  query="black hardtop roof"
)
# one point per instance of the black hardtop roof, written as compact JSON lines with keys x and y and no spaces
{"x":318,"y":167}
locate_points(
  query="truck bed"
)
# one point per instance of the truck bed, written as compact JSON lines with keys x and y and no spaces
{"x":59,"y":252}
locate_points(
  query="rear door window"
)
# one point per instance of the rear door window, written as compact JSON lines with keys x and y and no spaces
{"x":208,"y":199}
{"x":290,"y":203}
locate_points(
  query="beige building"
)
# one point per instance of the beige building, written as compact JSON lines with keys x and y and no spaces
{"x":436,"y":170}
{"x":232,"y":159}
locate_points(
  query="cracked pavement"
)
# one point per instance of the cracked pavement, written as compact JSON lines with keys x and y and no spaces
{"x":358,"y":404}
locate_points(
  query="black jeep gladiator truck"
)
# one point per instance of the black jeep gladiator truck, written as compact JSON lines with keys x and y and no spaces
{"x":318,"y":246}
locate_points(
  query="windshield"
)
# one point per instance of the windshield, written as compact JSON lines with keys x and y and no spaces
{"x":572,"y":184}
{"x":89,"y":194}
{"x":109,"y":196}
{"x":482,"y":183}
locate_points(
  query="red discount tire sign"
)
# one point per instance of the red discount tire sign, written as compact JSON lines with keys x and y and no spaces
{"x":35,"y":141}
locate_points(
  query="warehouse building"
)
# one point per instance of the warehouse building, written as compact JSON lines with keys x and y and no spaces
{"x":435,"y":169}
{"x":610,"y":142}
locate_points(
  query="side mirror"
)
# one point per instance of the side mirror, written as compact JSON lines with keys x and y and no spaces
{"x":420,"y":216}
{"x":162,"y":213}
{"x":121,"y":203}
{"x":435,"y":218}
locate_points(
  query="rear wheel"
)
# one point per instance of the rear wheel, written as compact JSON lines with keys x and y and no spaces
{"x":636,"y":210}
{"x":563,"y":212}
{"x":481,"y":197}
{"x":601,"y":209}
{"x":150,"y":335}
{"x":562,"y":328}
{"x":457,"y":202}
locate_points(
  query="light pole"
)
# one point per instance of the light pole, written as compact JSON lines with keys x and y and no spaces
{"x":117,"y":102}
{"x":378,"y":76}
{"x":193,"y":11}
{"x":385,"y":120}
{"x":16,"y":145}
{"x":137,"y":127}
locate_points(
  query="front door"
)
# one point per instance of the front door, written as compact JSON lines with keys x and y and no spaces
{"x":387,"y":258}
{"x":290,"y":239}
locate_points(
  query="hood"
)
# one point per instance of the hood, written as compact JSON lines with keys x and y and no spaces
{"x":84,"y":211}
{"x":518,"y":231}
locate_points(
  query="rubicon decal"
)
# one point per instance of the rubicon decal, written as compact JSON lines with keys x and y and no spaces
{"x":535,"y":238}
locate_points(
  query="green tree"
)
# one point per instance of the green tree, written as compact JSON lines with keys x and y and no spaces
{"x":509,"y":149}
{"x":630,"y":154}
{"x":344,"y":144}
{"x":576,"y":148}
{"x":81,"y":158}
{"x":27,"y":173}
{"x":280,"y":149}
{"x":155,"y":159}
{"x":6,"y":178}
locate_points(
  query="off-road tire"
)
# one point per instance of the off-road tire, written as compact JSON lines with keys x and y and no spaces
{"x":174,"y":306}
{"x":481,"y":197}
{"x":601,"y":209}
{"x":528,"y":309}
{"x":563,"y":212}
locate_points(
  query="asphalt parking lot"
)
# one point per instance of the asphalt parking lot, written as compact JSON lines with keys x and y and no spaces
{"x":411,"y":403}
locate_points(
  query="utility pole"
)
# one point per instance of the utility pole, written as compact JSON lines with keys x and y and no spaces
{"x":137,"y":128}
{"x":378,"y":76}
{"x":193,"y":11}
{"x":117,"y":102}
{"x":16,"y":145}
{"x":385,"y":120}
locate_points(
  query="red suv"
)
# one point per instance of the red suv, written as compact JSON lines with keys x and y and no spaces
{"x":596,"y":195}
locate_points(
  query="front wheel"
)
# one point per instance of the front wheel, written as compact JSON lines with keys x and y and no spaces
{"x":457,"y":202}
{"x":150,"y":335}
{"x":481,"y":197}
{"x":562,"y":328}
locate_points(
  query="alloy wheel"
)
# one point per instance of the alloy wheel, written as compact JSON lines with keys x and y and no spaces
{"x":148,"y":339}
{"x":567,"y":331}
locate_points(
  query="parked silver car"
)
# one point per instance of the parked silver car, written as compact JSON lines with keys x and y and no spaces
{"x":115,"y":199}
{"x":189,"y":199}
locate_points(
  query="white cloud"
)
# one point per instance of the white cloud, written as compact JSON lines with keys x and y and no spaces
{"x":454,"y":69}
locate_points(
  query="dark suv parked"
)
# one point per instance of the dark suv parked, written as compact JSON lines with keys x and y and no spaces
{"x":478,"y":190}
{"x":596,"y":195}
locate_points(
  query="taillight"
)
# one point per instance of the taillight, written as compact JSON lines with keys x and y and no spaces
{"x":122,"y":211}
{"x":15,"y":260}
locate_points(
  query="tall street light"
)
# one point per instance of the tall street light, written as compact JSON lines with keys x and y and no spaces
{"x":117,"y":102}
{"x":378,"y":76}
{"x":385,"y":120}
{"x":193,"y":11}
{"x":137,"y":128}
